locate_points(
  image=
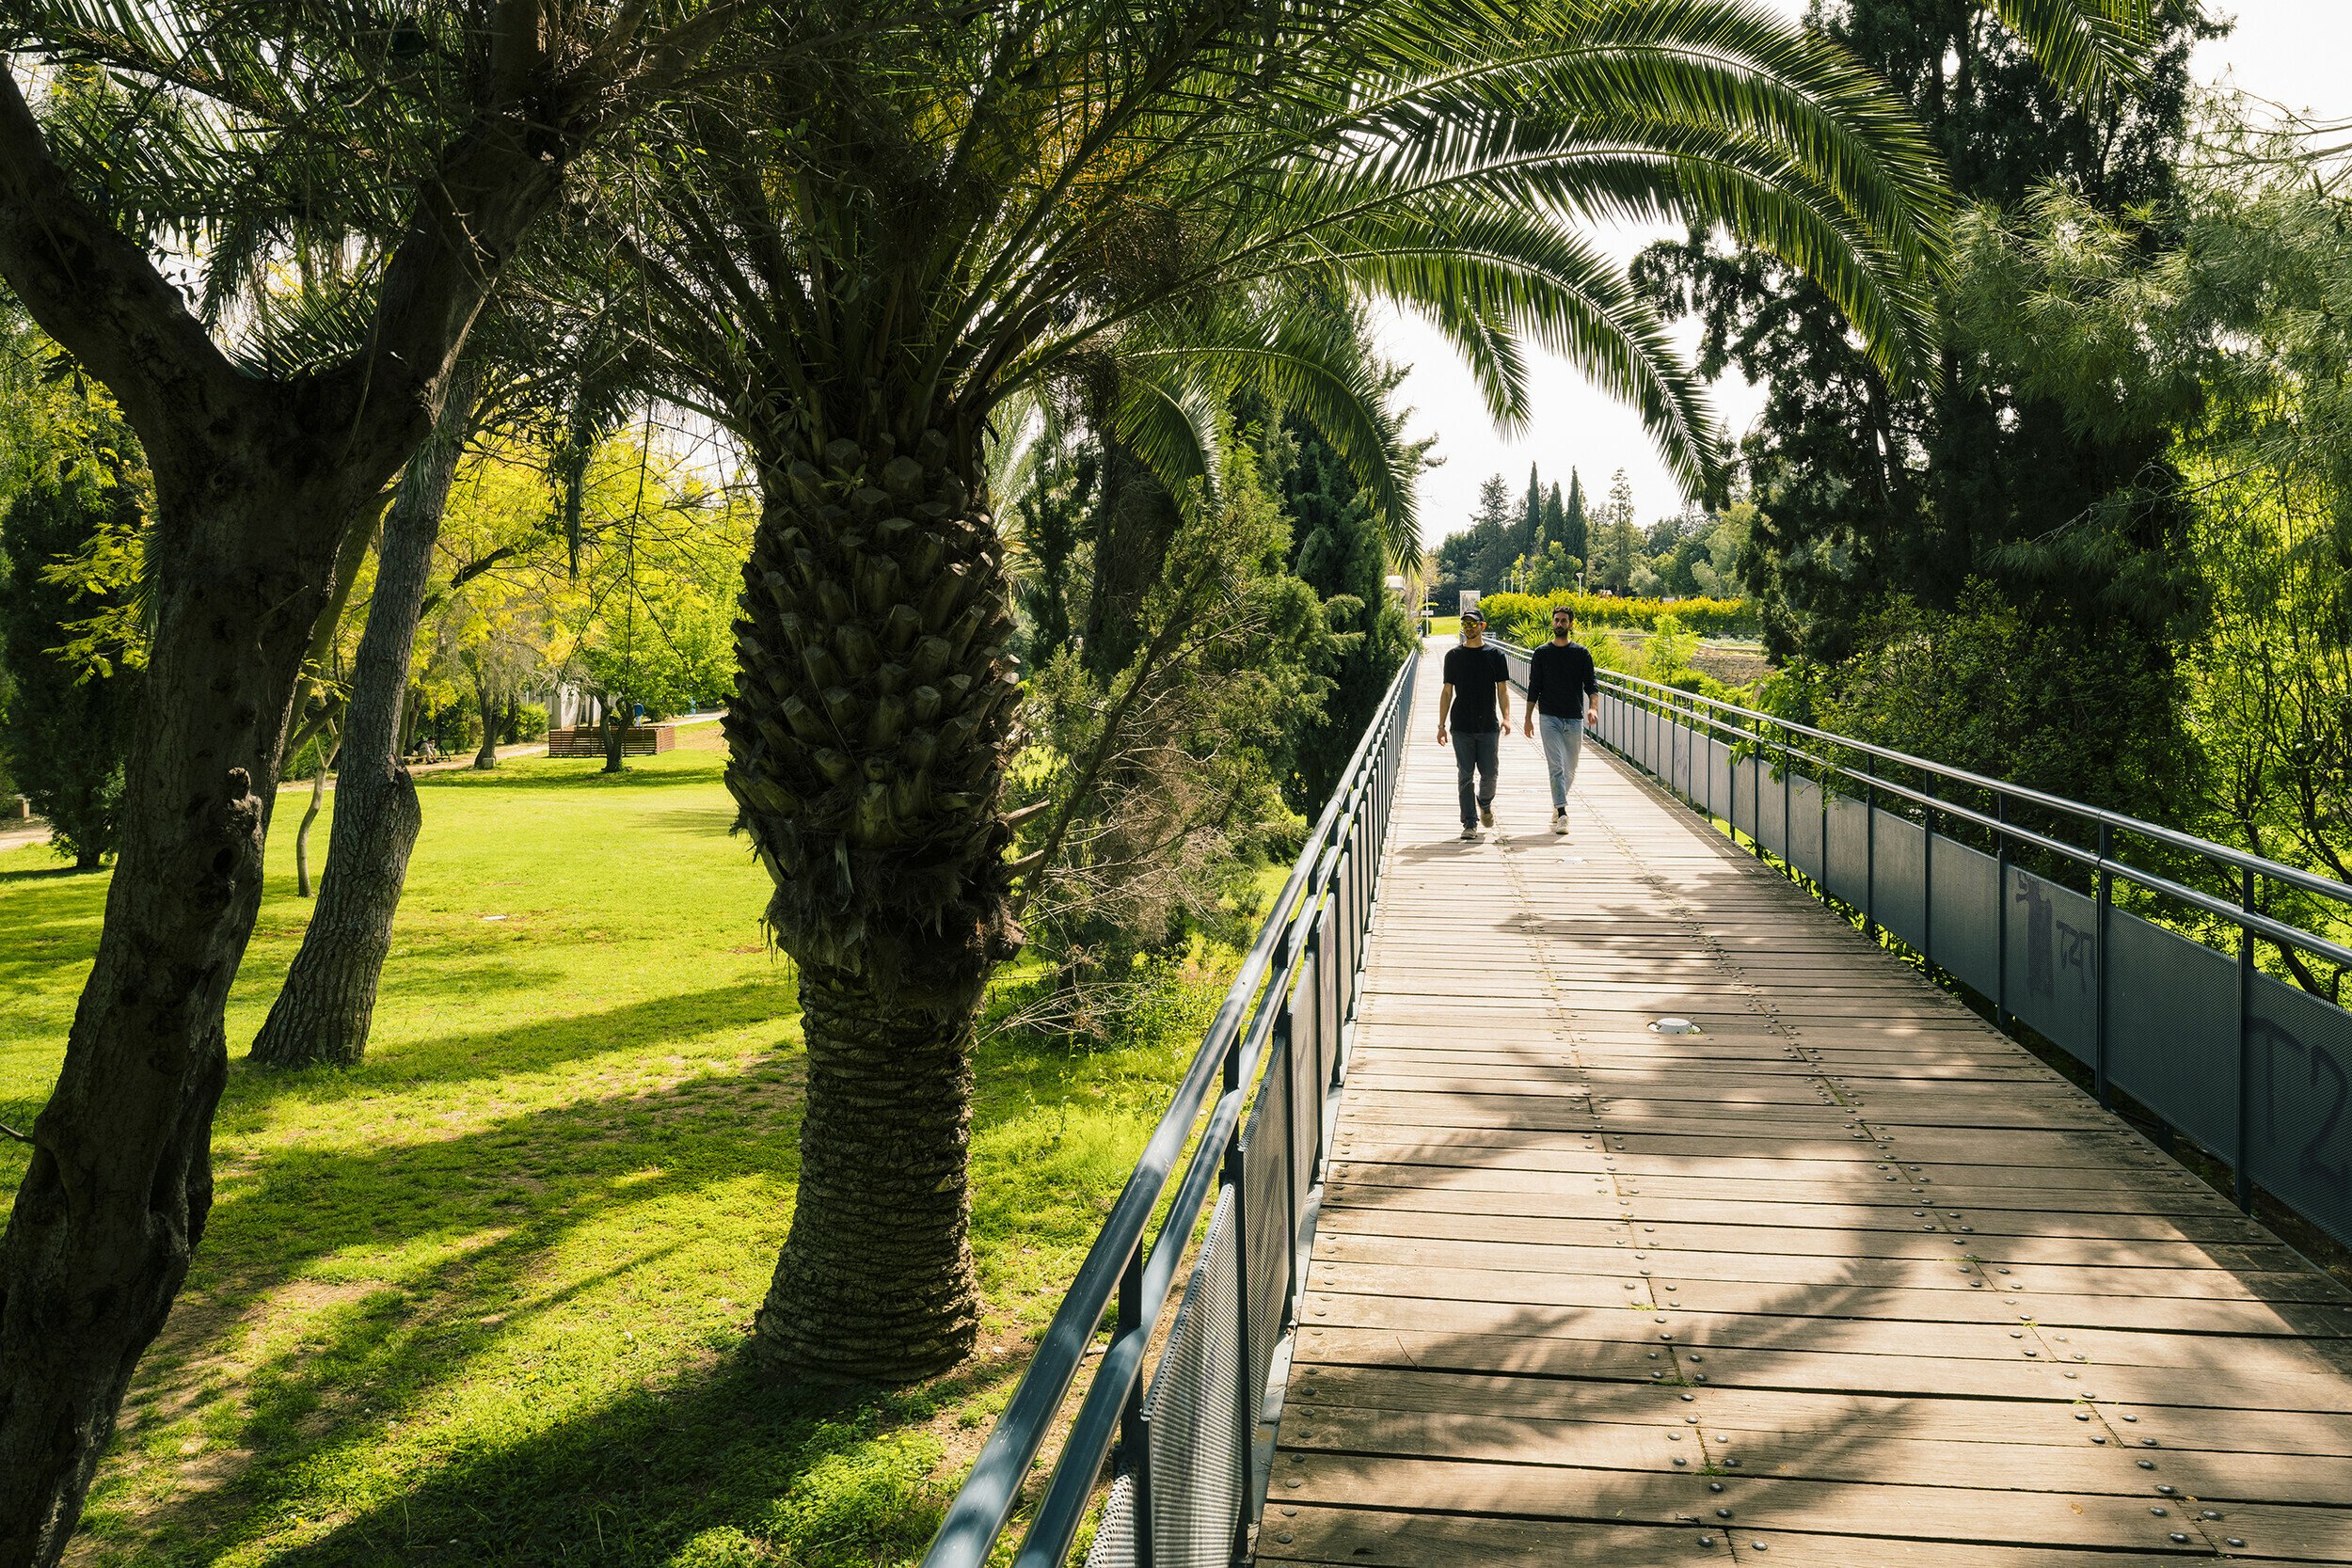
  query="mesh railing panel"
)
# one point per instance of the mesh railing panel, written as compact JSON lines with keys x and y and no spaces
{"x":1190,"y":1416}
{"x":2256,"y":1070}
{"x":1115,"y":1538}
{"x":1267,"y":1201}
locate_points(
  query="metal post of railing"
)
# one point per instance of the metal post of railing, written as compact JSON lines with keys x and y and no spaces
{"x":2000,"y":913}
{"x":1787,"y":821}
{"x":2241,"y":1176}
{"x":1926,"y":881}
{"x":1286,"y":1038}
{"x":1756,"y":806}
{"x":1233,"y":1176}
{"x":1131,"y":1458}
{"x":1870,"y":849}
{"x":2099,"y":958}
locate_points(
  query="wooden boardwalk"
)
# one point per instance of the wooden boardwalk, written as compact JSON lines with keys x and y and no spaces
{"x":1846,"y":1279}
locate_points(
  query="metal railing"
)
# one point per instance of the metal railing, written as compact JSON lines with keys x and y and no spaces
{"x":2255,"y":1071}
{"x":1188,"y":1466}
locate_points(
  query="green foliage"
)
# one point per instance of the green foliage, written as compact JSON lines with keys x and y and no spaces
{"x":1340,"y":554}
{"x":1988,"y":688}
{"x":1871,"y":491}
{"x":1527,"y":618}
{"x":67,"y":729}
{"x":481,"y":1299}
{"x":1164,"y":785}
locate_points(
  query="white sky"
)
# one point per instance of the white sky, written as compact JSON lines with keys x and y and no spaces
{"x":2291,"y":50}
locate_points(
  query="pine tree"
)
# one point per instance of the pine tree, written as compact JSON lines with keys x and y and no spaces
{"x":1492,"y":541}
{"x":1555,"y":525}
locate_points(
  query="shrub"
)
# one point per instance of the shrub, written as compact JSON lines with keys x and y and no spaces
{"x":1527,"y":617}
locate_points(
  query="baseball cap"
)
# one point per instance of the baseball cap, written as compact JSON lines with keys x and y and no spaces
{"x":1471,"y":614}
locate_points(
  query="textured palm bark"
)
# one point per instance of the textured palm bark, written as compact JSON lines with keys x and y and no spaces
{"x":873,"y":709}
{"x":876,"y":1279}
{"x":328,"y":1003}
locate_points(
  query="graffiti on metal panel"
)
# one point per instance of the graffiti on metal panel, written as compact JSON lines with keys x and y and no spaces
{"x":2052,"y":945}
{"x":2322,"y":1072}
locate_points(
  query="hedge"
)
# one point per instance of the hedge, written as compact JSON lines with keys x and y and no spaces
{"x":1526,"y":618}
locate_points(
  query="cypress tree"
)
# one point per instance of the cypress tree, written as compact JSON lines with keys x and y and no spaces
{"x":1575,"y":530}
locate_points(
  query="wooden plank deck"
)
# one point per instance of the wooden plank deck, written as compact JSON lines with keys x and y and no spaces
{"x":1846,"y":1279}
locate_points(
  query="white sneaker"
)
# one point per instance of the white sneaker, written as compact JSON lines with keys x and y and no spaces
{"x":1470,"y":835}
{"x":1560,"y":820}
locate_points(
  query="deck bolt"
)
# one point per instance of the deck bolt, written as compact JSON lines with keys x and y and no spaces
{"x":1678,"y":1459}
{"x":2237,"y":1540}
{"x":2179,"y":1537}
{"x":2146,"y":1463}
{"x":2210,"y":1514}
{"x":1714,"y":1486}
{"x":2164,"y":1491}
{"x":1723,"y":1513}
{"x":2157,"y":1512}
{"x":1707,"y":1540}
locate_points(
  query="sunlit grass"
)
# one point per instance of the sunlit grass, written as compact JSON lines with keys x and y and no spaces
{"x":484,"y":1298}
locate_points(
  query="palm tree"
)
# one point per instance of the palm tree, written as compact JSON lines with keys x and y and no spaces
{"x":1019,"y":199}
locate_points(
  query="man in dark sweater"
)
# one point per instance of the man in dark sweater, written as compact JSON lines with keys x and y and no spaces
{"x":1477,"y":700}
{"x":1563,"y":696}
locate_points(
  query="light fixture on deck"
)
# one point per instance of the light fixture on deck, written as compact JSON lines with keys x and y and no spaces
{"x":1674,"y":1026}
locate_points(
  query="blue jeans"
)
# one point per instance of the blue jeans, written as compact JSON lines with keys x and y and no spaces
{"x":1563,"y":743}
{"x":1476,"y":751}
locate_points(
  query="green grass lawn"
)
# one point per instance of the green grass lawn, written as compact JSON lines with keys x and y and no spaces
{"x":483,"y":1299}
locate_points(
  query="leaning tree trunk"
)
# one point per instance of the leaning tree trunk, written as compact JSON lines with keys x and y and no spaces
{"x":323,"y":1011}
{"x":872,"y":711}
{"x":311,"y":813}
{"x":120,"y":1184}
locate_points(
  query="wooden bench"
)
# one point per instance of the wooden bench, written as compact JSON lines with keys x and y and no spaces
{"x":587,"y":740}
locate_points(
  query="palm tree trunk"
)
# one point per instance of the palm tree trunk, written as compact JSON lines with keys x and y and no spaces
{"x":323,"y":1010}
{"x":872,"y":712}
{"x":875,"y":1281}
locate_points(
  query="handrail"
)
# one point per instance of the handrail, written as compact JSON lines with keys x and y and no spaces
{"x":2172,"y":1064}
{"x":2270,"y":870}
{"x":1707,"y":711}
{"x":1110,"y":1274}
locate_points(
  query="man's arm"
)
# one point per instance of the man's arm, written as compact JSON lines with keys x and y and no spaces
{"x":1445,"y":706}
{"x":1502,"y":701}
{"x":1592,"y":691}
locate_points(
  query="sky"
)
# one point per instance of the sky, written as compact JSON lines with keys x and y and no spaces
{"x":2292,"y":51}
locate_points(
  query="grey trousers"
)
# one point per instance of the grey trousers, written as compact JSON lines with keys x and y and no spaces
{"x":1476,"y":753}
{"x":1563,"y":743}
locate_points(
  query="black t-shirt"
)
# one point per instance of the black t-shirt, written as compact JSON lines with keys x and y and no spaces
{"x":1560,"y":679}
{"x":1473,"y":673}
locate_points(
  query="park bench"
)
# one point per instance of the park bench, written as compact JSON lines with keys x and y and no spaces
{"x":587,"y":740}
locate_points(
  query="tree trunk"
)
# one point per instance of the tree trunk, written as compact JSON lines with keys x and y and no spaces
{"x":615,"y":732}
{"x":875,"y":1281}
{"x":872,"y":712}
{"x":488,"y":758}
{"x":322,"y":1012}
{"x":120,"y":1184}
{"x":1133,"y":528}
{"x":302,"y":835}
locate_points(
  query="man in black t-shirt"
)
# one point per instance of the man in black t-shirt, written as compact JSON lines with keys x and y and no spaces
{"x":1563,"y":696}
{"x":1477,"y":699}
